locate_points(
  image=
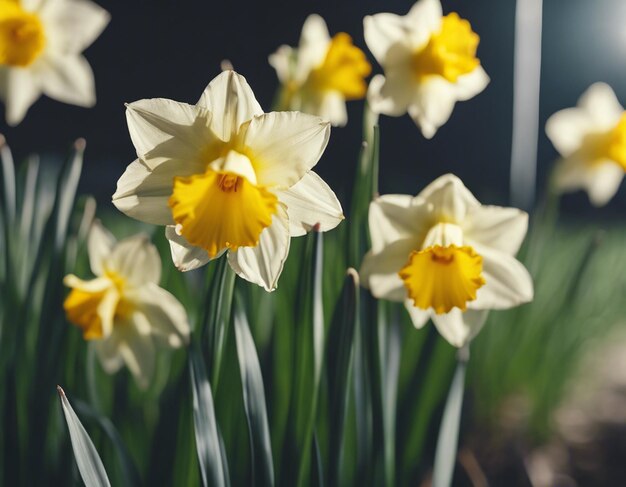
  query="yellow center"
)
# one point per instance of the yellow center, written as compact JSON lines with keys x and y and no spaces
{"x":344,"y":69}
{"x":81,"y":307}
{"x":449,"y":53}
{"x":218,"y":210}
{"x":443,"y":278}
{"x":609,"y":145}
{"x":22,"y":37}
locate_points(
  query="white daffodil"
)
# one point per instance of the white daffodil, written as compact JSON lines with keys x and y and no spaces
{"x":447,"y":257}
{"x":224,"y":176}
{"x":123,"y":310}
{"x":41,"y":42}
{"x":429,"y":62}
{"x":591,"y":139}
{"x":322,"y":73}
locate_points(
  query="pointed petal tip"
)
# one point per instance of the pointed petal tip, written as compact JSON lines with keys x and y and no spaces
{"x":353,"y":273}
{"x":60,"y":391}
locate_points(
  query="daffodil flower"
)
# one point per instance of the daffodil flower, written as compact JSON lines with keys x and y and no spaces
{"x":322,"y":73}
{"x":225,"y":177}
{"x":123,"y":311}
{"x":40,"y":52}
{"x":429,"y":61}
{"x":447,"y":257}
{"x":591,"y":139}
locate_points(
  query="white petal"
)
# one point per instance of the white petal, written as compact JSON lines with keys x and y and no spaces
{"x":568,"y":128}
{"x":68,"y":79}
{"x":143,"y":193}
{"x":423,"y":20}
{"x":313,"y":46}
{"x":602,"y":106}
{"x":167,"y":317}
{"x":396,"y":216}
{"x":284,"y":146}
{"x":281,"y":62}
{"x":231,"y":101}
{"x":162,"y":130}
{"x":76,"y":25}
{"x":382,"y":31}
{"x":604,"y":183}
{"x":185,"y":256}
{"x":459,"y":327}
{"x":100,"y":242}
{"x":106,"y":310}
{"x":572,"y":173}
{"x":469,"y":85}
{"x":601,"y":180}
{"x":21,"y":91}
{"x":108,"y":353}
{"x":333,"y":109}
{"x":379,"y":272}
{"x":390,"y":96}
{"x":136,"y":260}
{"x":236,"y":163}
{"x":419,"y":317}
{"x":311,"y":202}
{"x":444,"y":235}
{"x":500,"y":228}
{"x":92,"y":286}
{"x":449,"y":197}
{"x":138,"y":353}
{"x":432,"y":105}
{"x":263,"y":264}
{"x":507,"y":282}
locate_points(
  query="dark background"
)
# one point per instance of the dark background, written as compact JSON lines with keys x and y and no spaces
{"x":172,"y":49}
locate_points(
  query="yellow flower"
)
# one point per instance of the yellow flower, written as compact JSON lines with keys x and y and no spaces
{"x":225,"y":177}
{"x":447,"y":257}
{"x":123,"y":310}
{"x":429,"y":61}
{"x":591,"y":139}
{"x":40,"y":52}
{"x":321,"y":74}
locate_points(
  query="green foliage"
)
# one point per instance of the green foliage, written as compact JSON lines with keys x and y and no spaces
{"x":313,"y":384}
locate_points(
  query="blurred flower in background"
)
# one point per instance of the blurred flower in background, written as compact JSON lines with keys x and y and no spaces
{"x":40,"y":52}
{"x":591,"y":139}
{"x":322,"y":73}
{"x":224,"y":176}
{"x":448,"y":257}
{"x":123,"y":310}
{"x":429,"y":61}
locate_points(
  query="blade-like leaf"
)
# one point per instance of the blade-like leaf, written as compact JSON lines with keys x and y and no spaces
{"x":339,"y":349}
{"x":253,"y":399}
{"x":446,"y":452}
{"x":128,"y":467}
{"x":217,"y":316}
{"x":205,"y":424}
{"x":89,"y":464}
{"x":68,"y":183}
{"x":390,"y":350}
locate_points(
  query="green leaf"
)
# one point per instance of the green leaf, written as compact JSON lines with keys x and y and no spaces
{"x":129,"y":470}
{"x":8,"y":178}
{"x":217,"y":316}
{"x":447,"y":442}
{"x":309,"y":347}
{"x":89,"y":463}
{"x":253,"y":399}
{"x":390,"y":351}
{"x":205,"y":425}
{"x":339,"y":358}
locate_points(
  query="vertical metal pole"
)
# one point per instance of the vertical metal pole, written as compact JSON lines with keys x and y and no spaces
{"x":527,"y":75}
